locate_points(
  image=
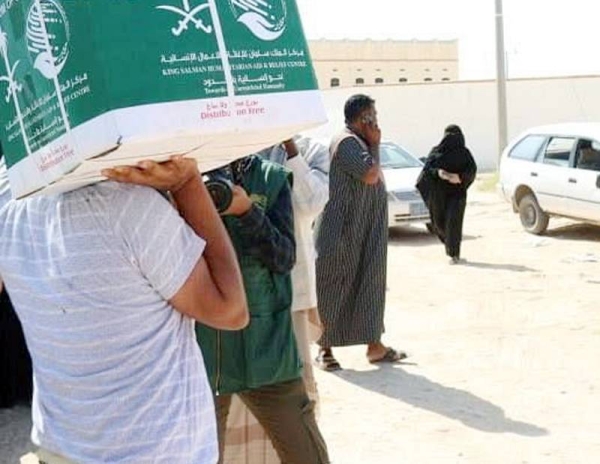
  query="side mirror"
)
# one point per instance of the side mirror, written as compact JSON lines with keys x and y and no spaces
{"x":598,"y":181}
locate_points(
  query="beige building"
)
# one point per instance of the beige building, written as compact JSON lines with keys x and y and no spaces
{"x":348,"y":63}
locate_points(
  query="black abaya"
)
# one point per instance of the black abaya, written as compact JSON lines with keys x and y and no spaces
{"x":446,"y":201}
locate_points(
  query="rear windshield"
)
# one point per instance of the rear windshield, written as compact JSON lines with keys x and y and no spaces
{"x":528,"y":148}
{"x":394,"y":157}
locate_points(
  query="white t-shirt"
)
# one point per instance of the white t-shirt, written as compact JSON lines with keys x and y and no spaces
{"x":118,"y":375}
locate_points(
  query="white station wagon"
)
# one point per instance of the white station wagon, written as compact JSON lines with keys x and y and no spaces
{"x":553,"y":171}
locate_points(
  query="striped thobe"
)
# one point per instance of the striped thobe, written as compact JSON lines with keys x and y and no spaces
{"x":352,"y":250}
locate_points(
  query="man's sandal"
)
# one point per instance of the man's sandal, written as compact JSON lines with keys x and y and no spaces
{"x":390,"y":356}
{"x":327,"y":363}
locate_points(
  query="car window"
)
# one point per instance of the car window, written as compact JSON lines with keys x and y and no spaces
{"x":588,"y":155}
{"x":528,"y":148}
{"x":394,"y":157}
{"x":558,"y":151}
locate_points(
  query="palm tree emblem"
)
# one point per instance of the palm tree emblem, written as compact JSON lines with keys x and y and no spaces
{"x":13,"y":85}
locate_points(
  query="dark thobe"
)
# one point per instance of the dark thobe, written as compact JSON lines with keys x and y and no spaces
{"x":351,"y":241}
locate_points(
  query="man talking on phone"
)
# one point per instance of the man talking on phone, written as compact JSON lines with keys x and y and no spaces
{"x":351,"y":241}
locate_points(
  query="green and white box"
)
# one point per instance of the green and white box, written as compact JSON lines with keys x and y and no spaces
{"x":88,"y":84}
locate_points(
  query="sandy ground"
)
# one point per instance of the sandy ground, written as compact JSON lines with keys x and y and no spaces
{"x":504,"y":351}
{"x":503,"y":363}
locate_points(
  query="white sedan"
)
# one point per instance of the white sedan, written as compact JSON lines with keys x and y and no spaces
{"x":553,"y":171}
{"x":401,"y":170}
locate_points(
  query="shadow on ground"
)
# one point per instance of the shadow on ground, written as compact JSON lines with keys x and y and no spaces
{"x":416,"y":390}
{"x":581,"y":232}
{"x":414,"y":237}
{"x":499,"y":267}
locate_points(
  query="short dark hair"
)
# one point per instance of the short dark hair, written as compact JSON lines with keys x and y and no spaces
{"x":355,"y":105}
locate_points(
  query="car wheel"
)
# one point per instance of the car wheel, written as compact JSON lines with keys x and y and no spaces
{"x":533,"y":219}
{"x":430,"y":229}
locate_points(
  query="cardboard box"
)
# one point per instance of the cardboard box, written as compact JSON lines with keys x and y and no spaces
{"x":90,"y":84}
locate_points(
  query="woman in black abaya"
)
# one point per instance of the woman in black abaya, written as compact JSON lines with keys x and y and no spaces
{"x":448,"y":172}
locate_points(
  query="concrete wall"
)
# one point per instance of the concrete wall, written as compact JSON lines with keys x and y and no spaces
{"x":415,"y":115}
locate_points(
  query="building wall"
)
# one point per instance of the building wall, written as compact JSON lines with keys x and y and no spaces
{"x":415,"y":115}
{"x":383,"y":62}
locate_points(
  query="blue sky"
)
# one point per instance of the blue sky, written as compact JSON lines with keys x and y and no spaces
{"x":543,"y":37}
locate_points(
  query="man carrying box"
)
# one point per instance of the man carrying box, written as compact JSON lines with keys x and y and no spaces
{"x":106,"y":281}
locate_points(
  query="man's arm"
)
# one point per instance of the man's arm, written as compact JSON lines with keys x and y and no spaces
{"x":269,"y":236}
{"x":373,"y":176}
{"x":311,"y":179}
{"x":214,"y":292}
{"x":373,"y":138}
{"x":359,"y":163}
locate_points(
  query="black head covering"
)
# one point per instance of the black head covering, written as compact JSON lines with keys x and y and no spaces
{"x":453,"y":129}
{"x":452,"y":153}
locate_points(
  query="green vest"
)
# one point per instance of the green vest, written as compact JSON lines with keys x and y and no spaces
{"x":265,"y":352}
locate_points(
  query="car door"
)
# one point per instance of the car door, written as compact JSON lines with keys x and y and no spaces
{"x":552,"y":172}
{"x":583,"y":183}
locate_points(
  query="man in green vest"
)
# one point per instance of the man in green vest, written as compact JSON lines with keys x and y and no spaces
{"x":261,"y":363}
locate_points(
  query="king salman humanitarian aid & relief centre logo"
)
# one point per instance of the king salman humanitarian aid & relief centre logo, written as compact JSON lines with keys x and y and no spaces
{"x":266,"y":19}
{"x":48,"y":37}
